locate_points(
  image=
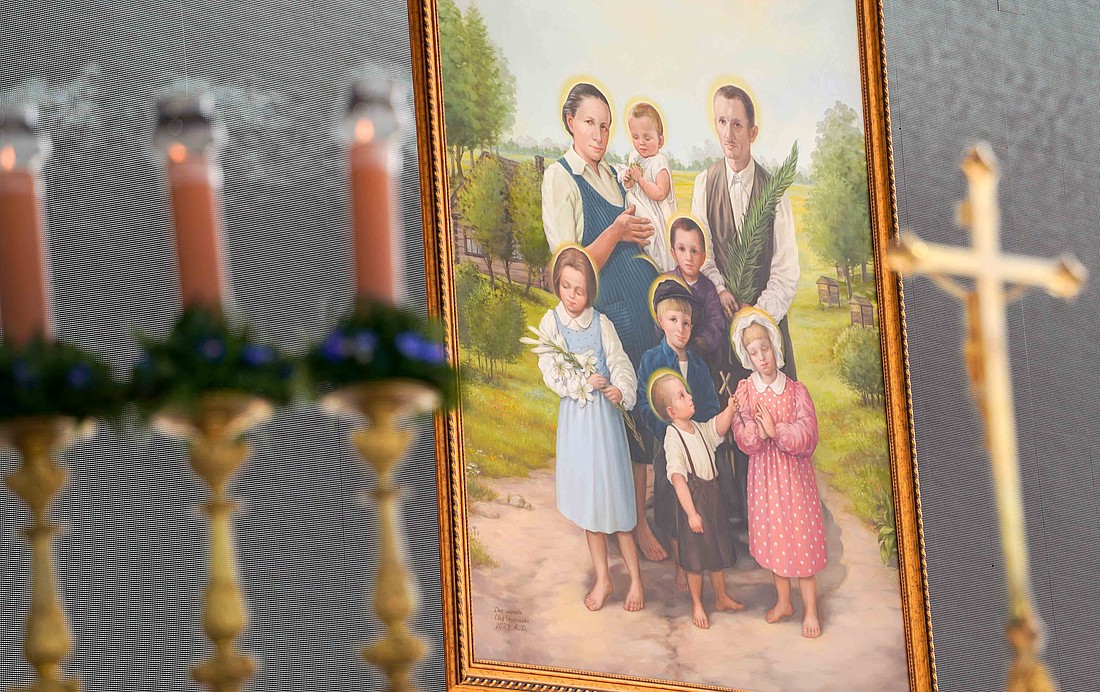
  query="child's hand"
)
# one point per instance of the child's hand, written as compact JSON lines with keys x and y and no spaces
{"x":628,"y":179}
{"x":597,"y":381}
{"x":764,"y":420}
{"x":613,"y":394}
{"x":695,"y":521}
{"x":732,"y":403}
{"x":636,"y":172}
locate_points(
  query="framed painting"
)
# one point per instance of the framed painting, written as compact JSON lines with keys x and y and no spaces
{"x":682,"y":456}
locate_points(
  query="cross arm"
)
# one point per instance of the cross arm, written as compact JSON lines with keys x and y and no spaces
{"x":1062,"y":277}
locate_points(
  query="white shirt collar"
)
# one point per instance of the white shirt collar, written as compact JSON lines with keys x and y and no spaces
{"x":746,"y":175}
{"x":582,"y":322}
{"x":577,"y":164}
{"x":777,"y":386}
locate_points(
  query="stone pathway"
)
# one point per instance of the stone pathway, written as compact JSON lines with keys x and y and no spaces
{"x":529,"y":609}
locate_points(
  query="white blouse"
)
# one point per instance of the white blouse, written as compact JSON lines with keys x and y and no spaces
{"x":562,"y":209}
{"x":618,"y":363}
{"x":702,"y":445}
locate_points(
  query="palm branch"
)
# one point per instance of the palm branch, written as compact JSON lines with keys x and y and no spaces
{"x":745,"y":249}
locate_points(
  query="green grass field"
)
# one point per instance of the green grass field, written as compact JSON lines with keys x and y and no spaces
{"x":509,"y":421}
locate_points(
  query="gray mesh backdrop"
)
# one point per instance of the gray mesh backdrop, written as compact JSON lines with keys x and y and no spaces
{"x":1023,"y":75}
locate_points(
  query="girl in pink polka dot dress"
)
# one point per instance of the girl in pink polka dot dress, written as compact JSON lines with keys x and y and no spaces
{"x":776,"y":426}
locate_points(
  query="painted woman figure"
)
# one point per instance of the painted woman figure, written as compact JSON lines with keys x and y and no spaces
{"x":583,"y":202}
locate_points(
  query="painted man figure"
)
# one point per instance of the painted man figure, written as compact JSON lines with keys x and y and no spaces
{"x":720,"y":200}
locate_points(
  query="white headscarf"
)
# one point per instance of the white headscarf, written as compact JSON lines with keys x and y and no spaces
{"x":746,"y":316}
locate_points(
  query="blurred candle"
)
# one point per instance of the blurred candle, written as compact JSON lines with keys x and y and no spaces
{"x":25,"y":305}
{"x":372,"y":158}
{"x":189,"y":141}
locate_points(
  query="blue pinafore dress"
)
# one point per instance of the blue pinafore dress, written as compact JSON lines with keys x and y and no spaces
{"x":595,"y":484}
{"x":624,"y":279}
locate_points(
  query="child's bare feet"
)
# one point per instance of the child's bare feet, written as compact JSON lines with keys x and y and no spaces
{"x":681,"y":579}
{"x":699,"y":617}
{"x":724,"y":602}
{"x":598,"y":595}
{"x":635,"y":598}
{"x":811,"y":627}
{"x":779,"y":613}
{"x":651,"y":547}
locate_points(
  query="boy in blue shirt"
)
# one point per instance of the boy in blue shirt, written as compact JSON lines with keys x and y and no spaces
{"x":677,"y":309}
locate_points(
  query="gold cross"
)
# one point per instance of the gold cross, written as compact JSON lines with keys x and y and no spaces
{"x":987,"y":361}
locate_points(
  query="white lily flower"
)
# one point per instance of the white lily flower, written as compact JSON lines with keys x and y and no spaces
{"x":586,"y":394}
{"x":588,"y":362}
{"x":559,"y":369}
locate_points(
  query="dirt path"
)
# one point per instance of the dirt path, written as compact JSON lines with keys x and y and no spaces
{"x":530,"y":610}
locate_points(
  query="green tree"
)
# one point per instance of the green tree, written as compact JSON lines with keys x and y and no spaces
{"x":858,"y":355}
{"x":506,"y":326}
{"x":474,"y":314}
{"x":483,"y":209}
{"x":837,"y":219}
{"x":493,"y":103}
{"x":467,"y":280}
{"x":494,"y":318}
{"x":525,"y":208}
{"x":459,"y":85}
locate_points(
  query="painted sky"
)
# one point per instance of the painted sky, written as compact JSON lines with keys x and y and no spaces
{"x":796,"y":57}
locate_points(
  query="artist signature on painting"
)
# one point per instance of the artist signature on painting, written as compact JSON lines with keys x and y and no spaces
{"x":510,"y":620}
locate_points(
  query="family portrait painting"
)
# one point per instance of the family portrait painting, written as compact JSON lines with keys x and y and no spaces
{"x":673,"y":434}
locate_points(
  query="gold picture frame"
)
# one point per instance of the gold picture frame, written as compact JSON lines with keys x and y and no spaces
{"x":464,"y":670}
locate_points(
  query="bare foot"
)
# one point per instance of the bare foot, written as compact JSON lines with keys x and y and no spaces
{"x":635,"y":598}
{"x":699,"y":618}
{"x":811,"y":627}
{"x":598,"y":596}
{"x":779,"y":613}
{"x":681,"y":579}
{"x":649,"y":544}
{"x":727,"y":603}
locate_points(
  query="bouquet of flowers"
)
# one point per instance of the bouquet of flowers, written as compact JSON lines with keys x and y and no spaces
{"x":573,"y":370}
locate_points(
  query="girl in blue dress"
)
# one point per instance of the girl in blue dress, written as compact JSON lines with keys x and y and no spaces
{"x":595,"y":486}
{"x":583,"y":203}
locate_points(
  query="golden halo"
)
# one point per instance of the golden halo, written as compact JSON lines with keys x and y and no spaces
{"x":661,"y":278}
{"x":658,"y":374}
{"x":595,"y":271}
{"x":685,"y":215}
{"x":660,"y":111}
{"x":735,"y":80}
{"x":773,"y":331}
{"x":588,"y":79}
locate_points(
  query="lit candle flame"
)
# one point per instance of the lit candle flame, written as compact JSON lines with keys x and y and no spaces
{"x":364,"y":131}
{"x":7,"y":158}
{"x":177,"y":152}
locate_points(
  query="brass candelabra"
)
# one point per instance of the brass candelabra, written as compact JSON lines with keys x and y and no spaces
{"x":213,"y":432}
{"x":382,"y":445}
{"x":37,"y":482}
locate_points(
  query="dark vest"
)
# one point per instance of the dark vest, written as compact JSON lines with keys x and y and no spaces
{"x":723,"y":226}
{"x":723,"y":230}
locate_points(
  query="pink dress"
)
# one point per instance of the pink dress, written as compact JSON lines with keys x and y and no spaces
{"x":786,"y":529}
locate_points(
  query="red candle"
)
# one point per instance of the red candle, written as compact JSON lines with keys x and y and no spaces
{"x":25,"y":305}
{"x":372,"y":161}
{"x":188,"y":140}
